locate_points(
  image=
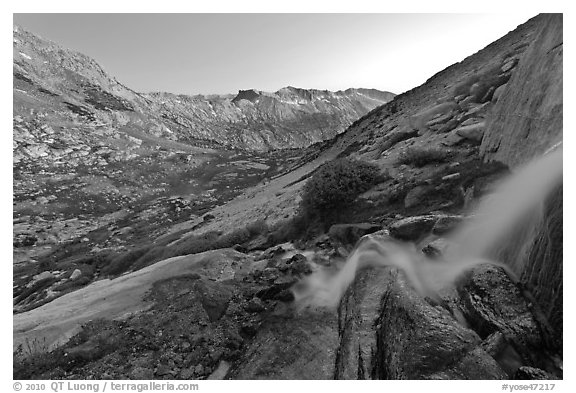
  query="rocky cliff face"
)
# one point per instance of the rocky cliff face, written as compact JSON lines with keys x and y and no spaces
{"x":527,"y":120}
{"x":525,"y":123}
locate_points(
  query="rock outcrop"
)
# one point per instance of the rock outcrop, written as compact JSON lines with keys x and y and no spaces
{"x":525,"y":123}
{"x":527,"y":119}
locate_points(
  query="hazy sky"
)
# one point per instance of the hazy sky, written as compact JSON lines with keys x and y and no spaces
{"x":222,"y":53}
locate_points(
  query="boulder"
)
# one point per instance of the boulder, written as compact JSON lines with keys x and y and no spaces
{"x":351,"y":233}
{"x":473,"y":132}
{"x":413,"y":228}
{"x":298,"y":265}
{"x":498,"y":92}
{"x":492,"y":303}
{"x":214,"y":298}
{"x":446,"y":224}
{"x":387,"y":331}
{"x":415,"y":195}
{"x":43,"y":276}
{"x":75,"y":274}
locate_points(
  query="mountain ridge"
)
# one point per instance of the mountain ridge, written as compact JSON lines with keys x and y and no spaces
{"x":294,"y":117}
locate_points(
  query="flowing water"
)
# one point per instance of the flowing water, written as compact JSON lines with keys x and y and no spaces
{"x":508,"y":217}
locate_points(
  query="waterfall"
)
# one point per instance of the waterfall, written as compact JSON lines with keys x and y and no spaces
{"x":505,"y":223}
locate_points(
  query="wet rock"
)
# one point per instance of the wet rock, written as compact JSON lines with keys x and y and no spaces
{"x":436,"y":248}
{"x":412,"y":228}
{"x":446,"y":224}
{"x":389,"y":332}
{"x":351,"y":233}
{"x":493,"y":303}
{"x":357,"y":313}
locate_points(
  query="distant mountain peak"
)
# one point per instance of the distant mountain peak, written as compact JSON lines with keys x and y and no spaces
{"x":250,"y":95}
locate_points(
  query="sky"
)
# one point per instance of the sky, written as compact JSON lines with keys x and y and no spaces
{"x":223,"y":53}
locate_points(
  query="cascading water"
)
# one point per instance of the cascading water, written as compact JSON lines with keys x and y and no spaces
{"x":515,"y":208}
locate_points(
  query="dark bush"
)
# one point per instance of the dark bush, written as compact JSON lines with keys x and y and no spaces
{"x":334,"y":186}
{"x":420,"y":157}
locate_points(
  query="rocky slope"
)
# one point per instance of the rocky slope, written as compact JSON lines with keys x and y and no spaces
{"x":288,"y":118}
{"x":60,"y":87}
{"x":428,"y":144}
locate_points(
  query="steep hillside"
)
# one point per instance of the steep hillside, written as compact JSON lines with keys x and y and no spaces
{"x":64,"y":86}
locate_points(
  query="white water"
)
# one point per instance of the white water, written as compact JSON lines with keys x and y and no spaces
{"x":516,"y":205}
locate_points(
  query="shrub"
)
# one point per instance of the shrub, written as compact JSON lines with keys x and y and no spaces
{"x":334,"y":186}
{"x":420,"y":157}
